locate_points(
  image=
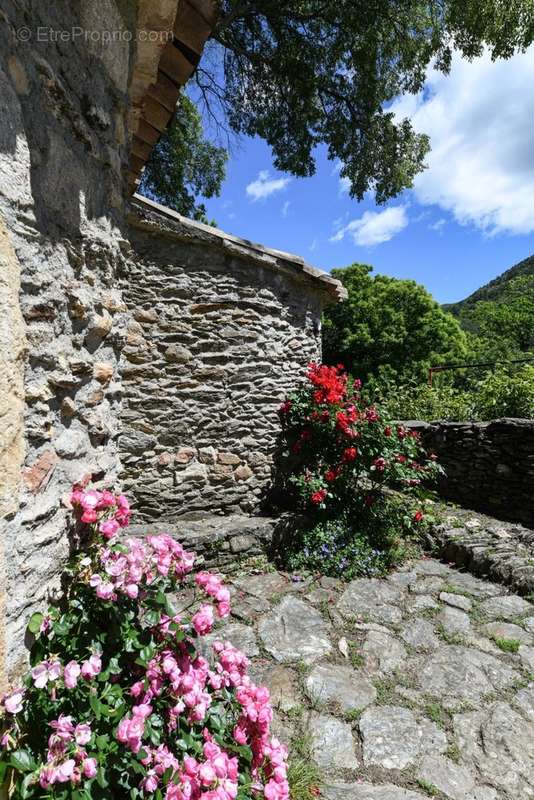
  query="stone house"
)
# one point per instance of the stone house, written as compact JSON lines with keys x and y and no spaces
{"x":135,"y":346}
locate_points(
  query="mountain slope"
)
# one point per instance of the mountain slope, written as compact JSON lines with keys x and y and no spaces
{"x":494,"y":289}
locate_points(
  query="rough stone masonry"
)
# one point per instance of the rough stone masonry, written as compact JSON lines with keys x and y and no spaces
{"x":68,"y":106}
{"x":222,"y":329}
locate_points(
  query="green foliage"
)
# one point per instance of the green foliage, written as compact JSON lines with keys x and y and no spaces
{"x":499,"y":318}
{"x":388,"y":328}
{"x":507,"y":645}
{"x":365,"y":544}
{"x":184,"y":165}
{"x":324,"y":71}
{"x":503,"y":393}
{"x":420,"y":401}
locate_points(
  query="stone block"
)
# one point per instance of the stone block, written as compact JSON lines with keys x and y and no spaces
{"x":228,"y":458}
{"x":39,"y":473}
{"x":243,"y":473}
{"x":103,"y":372}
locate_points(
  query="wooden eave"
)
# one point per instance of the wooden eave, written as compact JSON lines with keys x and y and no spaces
{"x":179,"y":58}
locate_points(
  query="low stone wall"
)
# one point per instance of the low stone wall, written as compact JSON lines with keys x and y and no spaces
{"x":222,"y":329}
{"x":489,"y":466}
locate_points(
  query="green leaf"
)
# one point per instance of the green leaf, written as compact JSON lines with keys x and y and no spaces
{"x":34,"y":625}
{"x":101,"y":778}
{"x":22,"y":760}
{"x":96,"y":705}
{"x":102,"y":741}
{"x":26,"y":783}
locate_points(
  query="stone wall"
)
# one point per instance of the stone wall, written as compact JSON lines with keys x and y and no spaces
{"x":203,"y":363}
{"x":221,"y":331}
{"x":489,"y":466}
{"x":62,"y":156}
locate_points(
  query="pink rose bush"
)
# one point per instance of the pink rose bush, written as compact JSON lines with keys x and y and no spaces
{"x":119,"y":702}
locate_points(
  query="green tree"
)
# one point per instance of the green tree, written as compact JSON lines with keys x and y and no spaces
{"x":388,"y":328}
{"x":184,"y":165}
{"x":307,"y":72}
{"x":505,"y":323}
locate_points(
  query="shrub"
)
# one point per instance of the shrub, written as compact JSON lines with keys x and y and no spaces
{"x":343,"y":455}
{"x":412,"y":401}
{"x":502,"y":394}
{"x":498,"y":394}
{"x":352,"y":547}
{"x":343,"y":451}
{"x":119,"y":702}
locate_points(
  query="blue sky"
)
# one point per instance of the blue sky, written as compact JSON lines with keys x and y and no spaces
{"x":469,"y":217}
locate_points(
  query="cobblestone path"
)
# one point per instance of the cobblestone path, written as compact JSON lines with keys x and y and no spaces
{"x":418,"y":685}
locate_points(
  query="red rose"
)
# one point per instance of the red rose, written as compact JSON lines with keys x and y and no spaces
{"x":349,"y":454}
{"x":418,"y":516}
{"x":331,"y":475}
{"x":387,"y":431}
{"x":318,"y":497}
{"x":285,"y":407}
{"x":380,"y":464}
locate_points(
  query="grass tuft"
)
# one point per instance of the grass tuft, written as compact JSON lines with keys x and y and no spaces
{"x":427,"y":787}
{"x":507,"y":645}
{"x":435,"y":712}
{"x":303,"y":773}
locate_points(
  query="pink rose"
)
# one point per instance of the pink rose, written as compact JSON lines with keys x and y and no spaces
{"x":109,"y":528}
{"x":13,"y":703}
{"x":89,"y":766}
{"x":71,"y":674}
{"x":64,"y":771}
{"x":104,"y":591}
{"x":82,"y":733}
{"x":203,"y":620}
{"x":92,"y":667}
{"x":207,"y":774}
{"x":150,"y":784}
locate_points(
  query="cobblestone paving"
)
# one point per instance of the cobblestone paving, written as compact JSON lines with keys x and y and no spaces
{"x":419,"y":685}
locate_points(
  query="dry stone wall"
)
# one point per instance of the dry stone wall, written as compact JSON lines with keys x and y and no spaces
{"x":221,"y":331}
{"x":489,"y":466}
{"x":62,"y":155}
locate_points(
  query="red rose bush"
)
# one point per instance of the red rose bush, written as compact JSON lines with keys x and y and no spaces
{"x":342,"y":456}
{"x":119,"y":701}
{"x":343,"y":448}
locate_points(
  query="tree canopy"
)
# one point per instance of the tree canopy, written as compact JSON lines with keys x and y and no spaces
{"x":503,"y":328}
{"x":388,"y":328}
{"x":307,"y":72}
{"x":184,"y":165}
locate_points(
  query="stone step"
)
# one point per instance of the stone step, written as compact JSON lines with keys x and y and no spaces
{"x":218,"y":541}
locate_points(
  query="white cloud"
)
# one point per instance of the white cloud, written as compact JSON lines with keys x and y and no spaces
{"x":344,"y":183}
{"x":313,"y":246}
{"x":438,"y":225}
{"x":374,"y":227}
{"x":479,"y":118}
{"x":264,"y":186}
{"x":285,"y":208}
